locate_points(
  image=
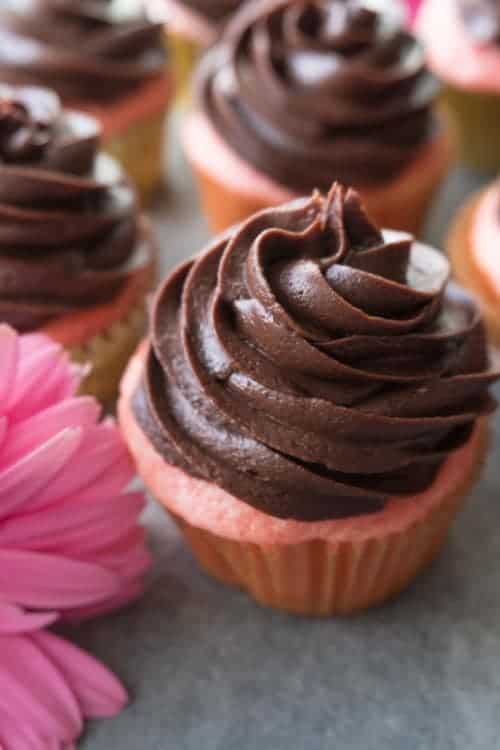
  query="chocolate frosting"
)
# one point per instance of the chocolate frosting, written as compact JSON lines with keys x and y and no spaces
{"x":216,"y":11}
{"x":68,"y":216}
{"x":81,"y":48}
{"x":319,"y":89}
{"x":481,"y":19}
{"x":313,"y":366}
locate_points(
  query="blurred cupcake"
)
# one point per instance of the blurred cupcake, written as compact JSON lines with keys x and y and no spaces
{"x":102,"y":58}
{"x":191,"y":26}
{"x":311,"y":405}
{"x":463,"y":48}
{"x":473,"y":247}
{"x":76,"y":258}
{"x":297,"y":94}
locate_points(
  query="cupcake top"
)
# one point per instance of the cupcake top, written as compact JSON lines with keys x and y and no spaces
{"x":462,"y":38}
{"x":312,"y":365}
{"x":84,"y":49}
{"x":68,"y":216}
{"x":314,"y":89}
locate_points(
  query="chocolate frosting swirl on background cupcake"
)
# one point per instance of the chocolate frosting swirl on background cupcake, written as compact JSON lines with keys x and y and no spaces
{"x":84,"y":49}
{"x":214,"y":10}
{"x":312,"y":90}
{"x":481,"y":19}
{"x":313,"y":366}
{"x":68,"y":216}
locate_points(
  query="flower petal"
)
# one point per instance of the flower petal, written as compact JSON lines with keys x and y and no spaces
{"x":73,"y":523}
{"x":41,"y":581}
{"x":97,"y":690}
{"x":25,"y":436}
{"x":15,"y":620}
{"x":25,"y":479}
{"x":34,"y":692}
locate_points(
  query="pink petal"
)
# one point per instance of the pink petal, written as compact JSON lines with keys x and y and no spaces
{"x":16,"y":735}
{"x":43,"y":379}
{"x":3,"y":430}
{"x":14,"y":620}
{"x":46,"y":581}
{"x":35,"y":693}
{"x":9,"y":347}
{"x":101,"y":460}
{"x":70,"y":523}
{"x":25,"y":479}
{"x":97,"y":690}
{"x":43,"y":426}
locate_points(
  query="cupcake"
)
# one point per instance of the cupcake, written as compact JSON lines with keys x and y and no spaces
{"x":76,"y":258}
{"x":473,"y":243}
{"x":101,"y":59}
{"x":311,"y":405}
{"x":463,"y":49}
{"x":191,"y":27}
{"x":298,"y":94}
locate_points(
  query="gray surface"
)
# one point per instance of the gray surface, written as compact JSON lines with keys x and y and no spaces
{"x":210,"y":670}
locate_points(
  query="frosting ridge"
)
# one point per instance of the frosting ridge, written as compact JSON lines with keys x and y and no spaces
{"x":319,"y":89}
{"x":313,"y":366}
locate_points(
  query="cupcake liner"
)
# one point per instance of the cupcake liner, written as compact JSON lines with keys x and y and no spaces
{"x":324,"y":578}
{"x":465,"y":269}
{"x":139,"y":148}
{"x":107,"y":354}
{"x":473,"y":119}
{"x":400,"y":204}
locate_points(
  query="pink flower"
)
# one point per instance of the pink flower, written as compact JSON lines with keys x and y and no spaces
{"x":70,"y":546}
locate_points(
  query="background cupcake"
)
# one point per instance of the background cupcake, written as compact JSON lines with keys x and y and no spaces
{"x":192,"y":26}
{"x":473,"y":246}
{"x":311,"y":405}
{"x":297,"y":94}
{"x":463,"y":49}
{"x":76,"y":259}
{"x":101,"y":58}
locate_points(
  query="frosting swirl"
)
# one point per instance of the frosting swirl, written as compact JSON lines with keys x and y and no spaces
{"x":481,"y":19}
{"x":68,"y":216}
{"x":315,"y":89}
{"x":84,"y":49}
{"x":313,"y":366}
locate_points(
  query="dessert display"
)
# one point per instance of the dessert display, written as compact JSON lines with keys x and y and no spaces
{"x":462,"y":39}
{"x":76,"y":257}
{"x":311,"y":405}
{"x":297,"y":95}
{"x":103,"y":59}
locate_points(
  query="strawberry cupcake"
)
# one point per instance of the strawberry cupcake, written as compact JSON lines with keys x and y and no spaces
{"x":298,"y":94}
{"x":462,"y":38}
{"x":473,"y":247}
{"x":311,"y":405}
{"x":102,"y":58}
{"x":76,"y":257}
{"x":191,"y":26}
